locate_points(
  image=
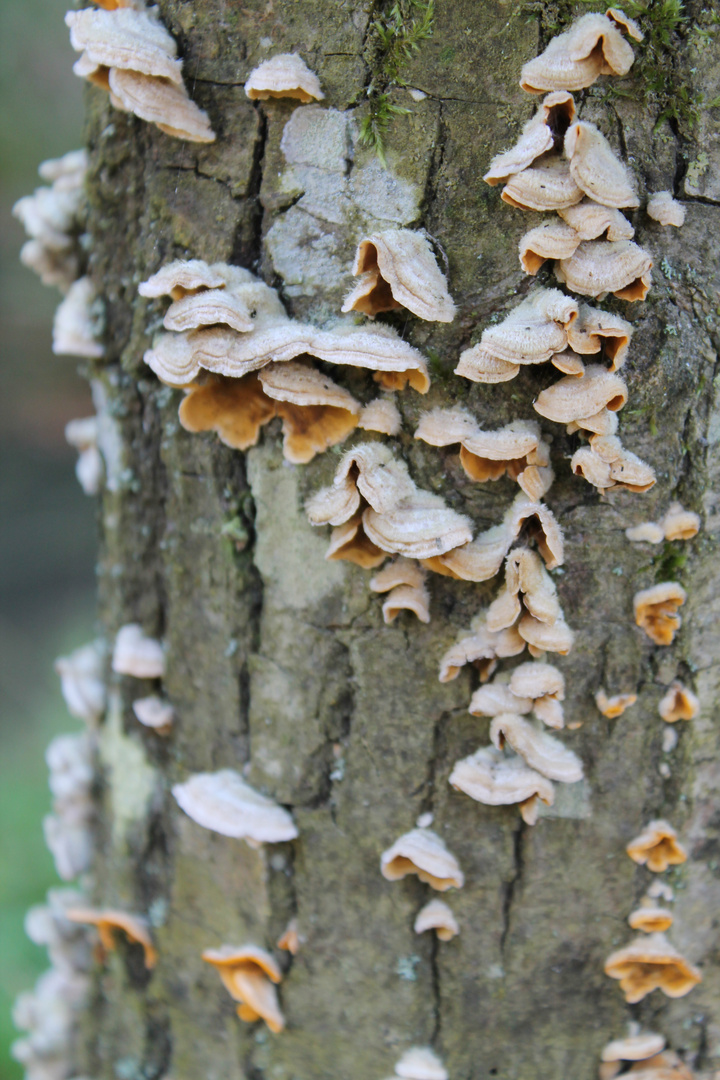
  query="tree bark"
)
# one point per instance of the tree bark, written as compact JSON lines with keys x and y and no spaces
{"x":279,"y":662}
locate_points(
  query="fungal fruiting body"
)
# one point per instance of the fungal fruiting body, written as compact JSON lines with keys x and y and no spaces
{"x":285,"y":75}
{"x":82,"y":683}
{"x":490,"y":777}
{"x":78,"y":322}
{"x":138,"y":655}
{"x":224,"y":803}
{"x":437,"y":916}
{"x":675,"y":524}
{"x":404,"y":582}
{"x":51,"y":217}
{"x":153,"y":712}
{"x":679,"y":703}
{"x":593,"y":46}
{"x":422,"y":852}
{"x":68,"y":830}
{"x":657,"y":847}
{"x":650,"y":918}
{"x":648,"y":963}
{"x":83,"y":436}
{"x":135,"y":928}
{"x":661,"y":207}
{"x":250,"y":975}
{"x":129,"y":52}
{"x":544,"y":132}
{"x":656,"y":611}
{"x":614,"y":706}
{"x":420,"y":1063}
{"x":397,"y":269}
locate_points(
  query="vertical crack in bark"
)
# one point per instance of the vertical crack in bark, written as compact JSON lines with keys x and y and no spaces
{"x":248,"y":252}
{"x":511,"y":885}
{"x":433,"y":178}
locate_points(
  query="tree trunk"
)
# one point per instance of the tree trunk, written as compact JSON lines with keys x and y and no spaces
{"x":279,"y":663}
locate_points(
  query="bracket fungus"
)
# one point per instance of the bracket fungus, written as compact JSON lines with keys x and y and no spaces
{"x":422,"y":852}
{"x":518,"y":449}
{"x":679,"y":703}
{"x":657,"y":847}
{"x":495,"y":698}
{"x":68,"y":830}
{"x":487,"y":776}
{"x":381,"y":415}
{"x":250,"y":974}
{"x":404,"y":581}
{"x":153,"y":712}
{"x":599,"y":267}
{"x":591,"y":220}
{"x":527,"y":586}
{"x":676,"y":524}
{"x":544,"y":685}
{"x":285,"y":75}
{"x":650,"y":963}
{"x":235,"y":409}
{"x":480,"y":647}
{"x":316,"y":413}
{"x":397,"y":269}
{"x":290,"y":940}
{"x":437,"y":916}
{"x":183,"y":278}
{"x":78,"y":322}
{"x":650,"y":918}
{"x":135,"y":928}
{"x":595,"y":168}
{"x":595,"y":331}
{"x":661,"y":207}
{"x":225,"y":804}
{"x":540,"y":751}
{"x":51,"y":217}
{"x":420,"y":1063}
{"x":593,"y":46}
{"x":572,"y":397}
{"x":128,"y":51}
{"x":545,"y":131}
{"x":550,"y":240}
{"x":82,"y":683}
{"x":138,"y":655}
{"x":82,"y":434}
{"x":614,"y":706}
{"x":656,"y":611}
{"x":637,"y":1046}
{"x":546,"y":185}
{"x":607,"y":465}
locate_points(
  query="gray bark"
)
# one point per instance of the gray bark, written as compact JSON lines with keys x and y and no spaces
{"x":280,"y":661}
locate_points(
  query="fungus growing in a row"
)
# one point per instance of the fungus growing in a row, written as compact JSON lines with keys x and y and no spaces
{"x":480,"y":647}
{"x":138,"y":655}
{"x":599,"y":267}
{"x":544,"y":685}
{"x":82,"y":683}
{"x":68,"y":829}
{"x":78,"y":322}
{"x":540,"y":751}
{"x":614,"y":706}
{"x":573,"y":398}
{"x":437,"y":916}
{"x":527,"y":585}
{"x":250,"y":974}
{"x":657,"y":847}
{"x":49,"y":1013}
{"x":135,"y":928}
{"x":184,"y":278}
{"x":661,"y":207}
{"x":381,"y":415}
{"x":153,"y":712}
{"x":637,"y":1046}
{"x":543,"y":132}
{"x":50,"y":217}
{"x":547,"y":184}
{"x":595,"y":168}
{"x":656,"y":611}
{"x":676,"y":524}
{"x":404,"y":582}
{"x":316,"y":413}
{"x":82,"y":434}
{"x":487,"y":776}
{"x":518,"y":449}
{"x":650,"y":963}
{"x":650,"y":918}
{"x":225,"y":804}
{"x":607,"y":465}
{"x":591,"y":220}
{"x":679,"y":703}
{"x":593,"y":46}
{"x":422,"y":852}
{"x":398,"y":269}
{"x":284,"y":76}
{"x":130,"y":53}
{"x":289,"y":940}
{"x":531,"y":333}
{"x":420,"y":1063}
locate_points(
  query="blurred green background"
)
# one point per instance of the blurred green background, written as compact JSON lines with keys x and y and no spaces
{"x":47,"y":525}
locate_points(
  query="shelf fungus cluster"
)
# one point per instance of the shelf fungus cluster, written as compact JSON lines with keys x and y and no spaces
{"x":675,"y":524}
{"x":69,"y":828}
{"x":242,"y":362}
{"x":421,"y":852}
{"x":250,"y":975}
{"x":641,"y":1055}
{"x":50,"y":1014}
{"x":128,"y":52}
{"x":650,"y":962}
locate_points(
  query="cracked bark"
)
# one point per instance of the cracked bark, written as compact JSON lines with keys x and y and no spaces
{"x":280,"y":662}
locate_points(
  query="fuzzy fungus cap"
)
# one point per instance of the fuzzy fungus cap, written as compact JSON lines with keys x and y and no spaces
{"x":539,"y":135}
{"x":407,"y":598}
{"x":422,"y":852}
{"x":650,"y":918}
{"x":537,"y":680}
{"x":397,"y":269}
{"x":657,"y":847}
{"x":607,"y":464}
{"x":496,"y":698}
{"x":135,"y":927}
{"x":598,"y":267}
{"x":528,"y":586}
{"x":420,"y":526}
{"x":78,"y":322}
{"x":480,"y":646}
{"x":648,"y":963}
{"x":540,"y":525}
{"x":235,"y":409}
{"x":487,"y":776}
{"x":284,"y":76}
{"x":597,"y":331}
{"x":540,"y":751}
{"x":153,"y":712}
{"x":679,"y":524}
{"x":593,"y":46}
{"x":160,"y":102}
{"x":591,"y":220}
{"x":212,"y":307}
{"x":546,"y":637}
{"x":82,"y":681}
{"x":573,"y":398}
{"x":315,"y":411}
{"x":656,"y":611}
{"x":479,"y":365}
{"x":349,"y":543}
{"x":595,"y":168}
{"x":661,"y":207}
{"x":381,"y":414}
{"x":290,"y":940}
{"x":547,"y":184}
{"x":138,"y":655}
{"x":420,"y":1063}
{"x":189,"y":277}
{"x":551,"y":240}
{"x":614,"y":706}
{"x":647,"y":532}
{"x":225,"y":804}
{"x":478,"y":560}
{"x":437,"y":916}
{"x":634,"y":1047}
{"x":126,"y":39}
{"x":679,"y":703}
{"x":248,"y":974}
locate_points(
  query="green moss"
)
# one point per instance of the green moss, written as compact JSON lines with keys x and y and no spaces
{"x":669,"y":563}
{"x":396,"y":37}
